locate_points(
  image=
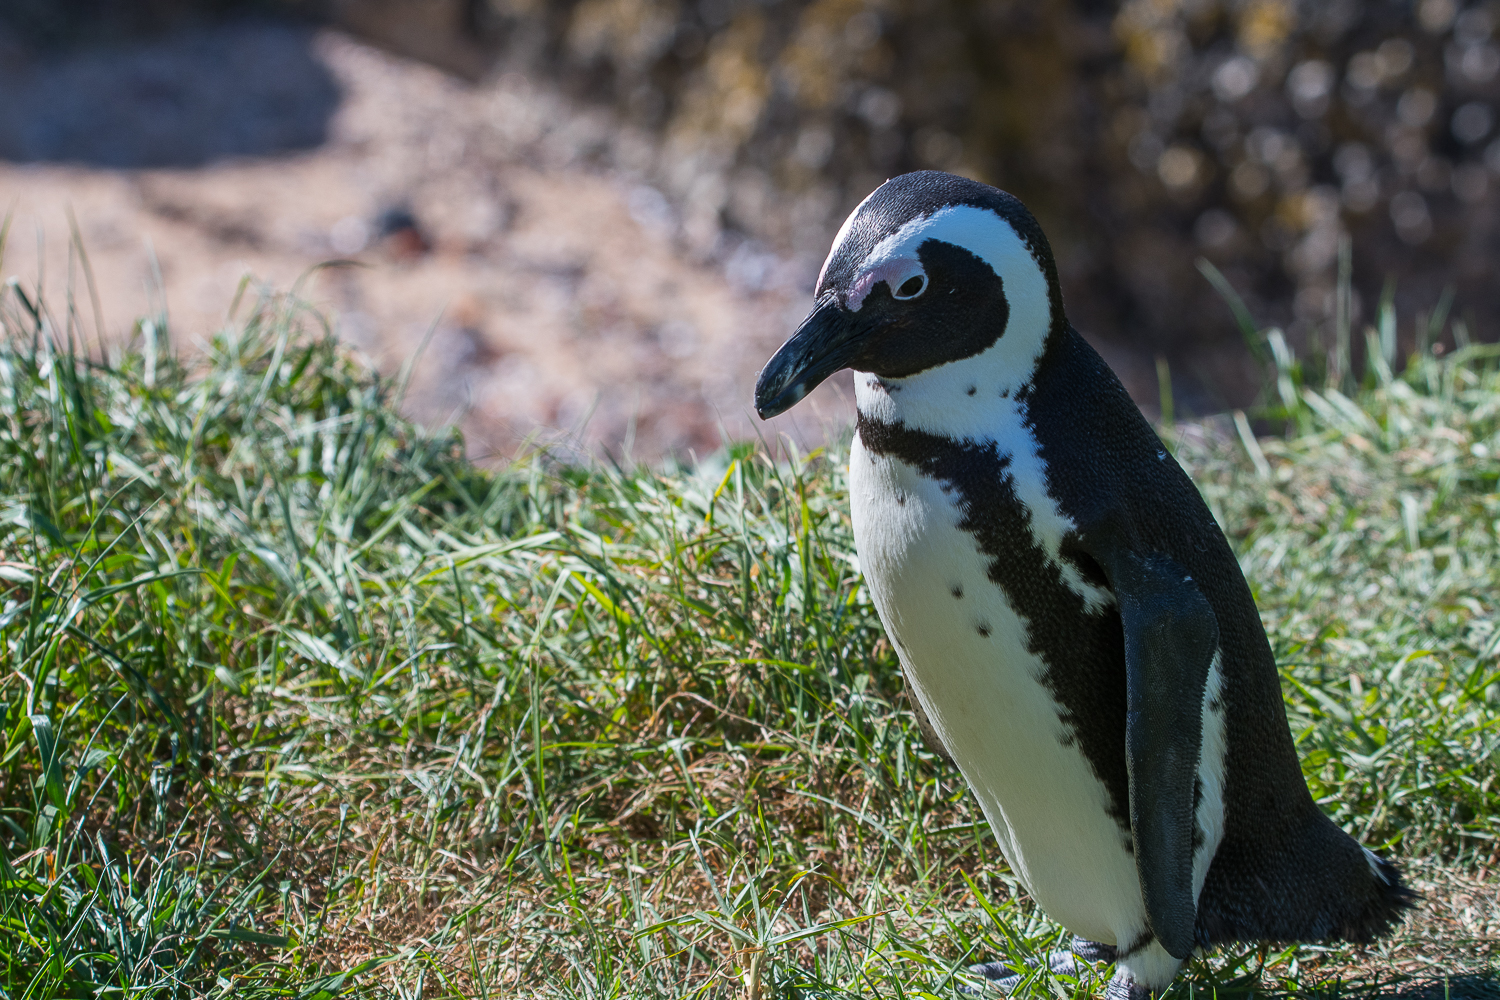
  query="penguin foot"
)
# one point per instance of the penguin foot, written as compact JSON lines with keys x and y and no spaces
{"x":1093,"y":951}
{"x":1006,"y":976}
{"x":1147,"y":962}
{"x":1123,"y":988}
{"x":997,"y":976}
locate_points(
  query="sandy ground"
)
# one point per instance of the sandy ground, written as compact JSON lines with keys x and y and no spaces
{"x":556,"y":299}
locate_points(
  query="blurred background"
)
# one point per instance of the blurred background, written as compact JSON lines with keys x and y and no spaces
{"x":597,"y":218}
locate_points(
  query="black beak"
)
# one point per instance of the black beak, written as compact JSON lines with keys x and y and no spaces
{"x":826,"y":342}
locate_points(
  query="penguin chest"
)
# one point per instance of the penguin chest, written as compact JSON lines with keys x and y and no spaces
{"x":968,"y":655}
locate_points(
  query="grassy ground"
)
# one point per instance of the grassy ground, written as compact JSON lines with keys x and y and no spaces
{"x":296,"y":701}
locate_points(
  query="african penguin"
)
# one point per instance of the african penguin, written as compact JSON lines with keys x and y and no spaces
{"x":1071,"y":620}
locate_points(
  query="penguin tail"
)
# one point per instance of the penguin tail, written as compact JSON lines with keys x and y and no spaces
{"x":1316,"y":884}
{"x":1385,"y":905}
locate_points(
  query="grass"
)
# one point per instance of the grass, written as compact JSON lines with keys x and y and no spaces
{"x":296,"y":701}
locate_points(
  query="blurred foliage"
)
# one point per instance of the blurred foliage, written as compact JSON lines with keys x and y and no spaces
{"x":1257,"y":133}
{"x":1143,"y":134}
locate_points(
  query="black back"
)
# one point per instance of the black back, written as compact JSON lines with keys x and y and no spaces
{"x":1284,"y":871}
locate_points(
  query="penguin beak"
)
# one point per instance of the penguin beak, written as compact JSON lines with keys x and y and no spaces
{"x":826,"y":342}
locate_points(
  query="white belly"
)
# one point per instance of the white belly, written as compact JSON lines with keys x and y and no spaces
{"x":986,"y":700}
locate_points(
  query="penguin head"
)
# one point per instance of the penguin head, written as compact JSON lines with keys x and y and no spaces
{"x":930,"y":269}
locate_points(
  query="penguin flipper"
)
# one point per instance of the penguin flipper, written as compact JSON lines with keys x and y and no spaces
{"x":1171,"y":638}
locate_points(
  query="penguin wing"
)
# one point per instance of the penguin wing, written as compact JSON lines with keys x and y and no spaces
{"x":1171,"y":637}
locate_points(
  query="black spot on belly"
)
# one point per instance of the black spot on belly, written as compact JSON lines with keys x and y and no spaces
{"x":957,"y":590}
{"x":901,"y":499}
{"x":983,"y":630}
{"x":1199,"y":834}
{"x":972,"y":390}
{"x":1084,"y":652}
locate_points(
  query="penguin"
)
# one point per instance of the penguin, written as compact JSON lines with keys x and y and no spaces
{"x":1071,"y":621}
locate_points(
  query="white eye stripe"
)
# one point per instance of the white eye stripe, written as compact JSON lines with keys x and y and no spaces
{"x":843,"y":234}
{"x":990,"y":238}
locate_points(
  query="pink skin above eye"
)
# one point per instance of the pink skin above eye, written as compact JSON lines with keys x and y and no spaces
{"x":893,"y":272}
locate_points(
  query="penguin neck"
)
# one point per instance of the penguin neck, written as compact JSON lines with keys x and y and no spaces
{"x":968,"y":399}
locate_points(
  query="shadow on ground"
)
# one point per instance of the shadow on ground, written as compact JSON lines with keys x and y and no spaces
{"x":1480,"y":986}
{"x":184,"y":99}
{"x":1464,"y":986}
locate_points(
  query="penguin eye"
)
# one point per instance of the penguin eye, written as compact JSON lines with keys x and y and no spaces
{"x":911,"y":287}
